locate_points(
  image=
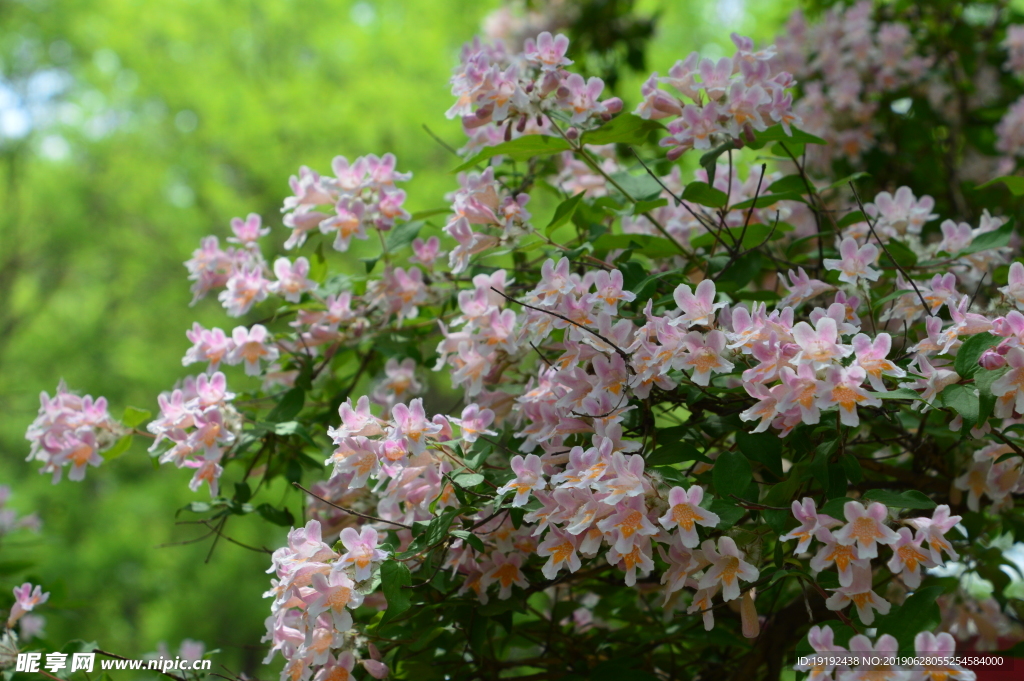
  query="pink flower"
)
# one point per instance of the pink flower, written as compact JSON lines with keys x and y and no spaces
{"x":844,"y":557}
{"x":248,"y":231}
{"x":555,"y":281}
{"x":627,"y":525}
{"x":698,"y":308}
{"x":810,"y":521}
{"x":426,"y":252}
{"x":854,"y":262}
{"x":505,"y":571}
{"x":1014,"y":289}
{"x":529,"y":476}
{"x":871,"y":356}
{"x":727,"y":568}
{"x":26,"y":598}
{"x":860,"y":594}
{"x":704,"y":355}
{"x":411,"y":423}
{"x":684,"y":512}
{"x":335,"y":593}
{"x":819,"y":344}
{"x":210,"y":345}
{"x":474,"y":422}
{"x":908,"y":557}
{"x":1011,"y":384}
{"x":943,"y":645}
{"x":362,"y":551}
{"x":801,"y":288}
{"x":842,"y":387}
{"x":581,"y":98}
{"x":623,"y":478}
{"x":245,"y":288}
{"x":865,"y":528}
{"x":547,"y":51}
{"x":560,"y":547}
{"x":251,"y":346}
{"x":933,"y":530}
{"x":292,"y":281}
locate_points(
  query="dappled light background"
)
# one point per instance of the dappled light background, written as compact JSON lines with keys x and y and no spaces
{"x":128,"y":130}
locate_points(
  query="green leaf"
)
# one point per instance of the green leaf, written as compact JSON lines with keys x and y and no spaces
{"x":901,"y":253}
{"x":289,"y":406}
{"x":277,"y":516}
{"x":393,"y":577}
{"x":765,"y":200}
{"x":963,"y":400}
{"x":741,"y":272}
{"x":754,"y":235}
{"x":970,"y":352}
{"x":776,"y":133}
{"x":120,"y":448}
{"x":789,"y":183}
{"x":765,"y":448}
{"x":835,"y":507}
{"x":289,"y":428}
{"x":134,"y":416}
{"x":1015,"y":183}
{"x":625,"y":128}
{"x":920,"y":612}
{"x":468,"y":479}
{"x":851,"y":219}
{"x":728,"y":512}
{"x":521,"y":149}
{"x":469,"y":538}
{"x":651,"y":246}
{"x":898,"y":394}
{"x":402,"y":235}
{"x":705,"y":195}
{"x":437,"y":530}
{"x":564,"y":212}
{"x":907,"y":499}
{"x":709,"y":161}
{"x":639,"y":187}
{"x":242,"y":492}
{"x":731,"y":474}
{"x":674,"y":453}
{"x":994,"y":239}
{"x":983,"y":380}
{"x":318,"y":265}
{"x":846,"y":181}
{"x":641,"y":207}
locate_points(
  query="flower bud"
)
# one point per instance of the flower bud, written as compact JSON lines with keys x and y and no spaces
{"x":572,"y":133}
{"x":375,"y":668}
{"x":991,"y":359}
{"x":613,"y":105}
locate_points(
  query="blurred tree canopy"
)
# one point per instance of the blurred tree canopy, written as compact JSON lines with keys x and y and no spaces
{"x":127,"y":131}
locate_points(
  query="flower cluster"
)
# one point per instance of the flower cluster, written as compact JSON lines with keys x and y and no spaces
{"x":71,"y":431}
{"x":850,"y":547}
{"x":843,"y":62}
{"x":524,"y":91}
{"x":362,"y":194}
{"x":314,"y":593}
{"x":199,"y":423}
{"x":734,"y":96}
{"x":481,"y":202}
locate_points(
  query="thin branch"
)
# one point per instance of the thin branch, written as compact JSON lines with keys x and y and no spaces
{"x":350,"y":511}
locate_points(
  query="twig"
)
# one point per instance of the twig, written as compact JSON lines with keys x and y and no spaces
{"x":350,"y":511}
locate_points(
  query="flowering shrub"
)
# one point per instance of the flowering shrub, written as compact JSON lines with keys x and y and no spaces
{"x":671,"y":425}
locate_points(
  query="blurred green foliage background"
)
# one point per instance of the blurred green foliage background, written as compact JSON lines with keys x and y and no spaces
{"x":129,"y":129}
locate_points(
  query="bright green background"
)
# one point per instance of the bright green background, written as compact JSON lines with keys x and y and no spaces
{"x":182,"y":115}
